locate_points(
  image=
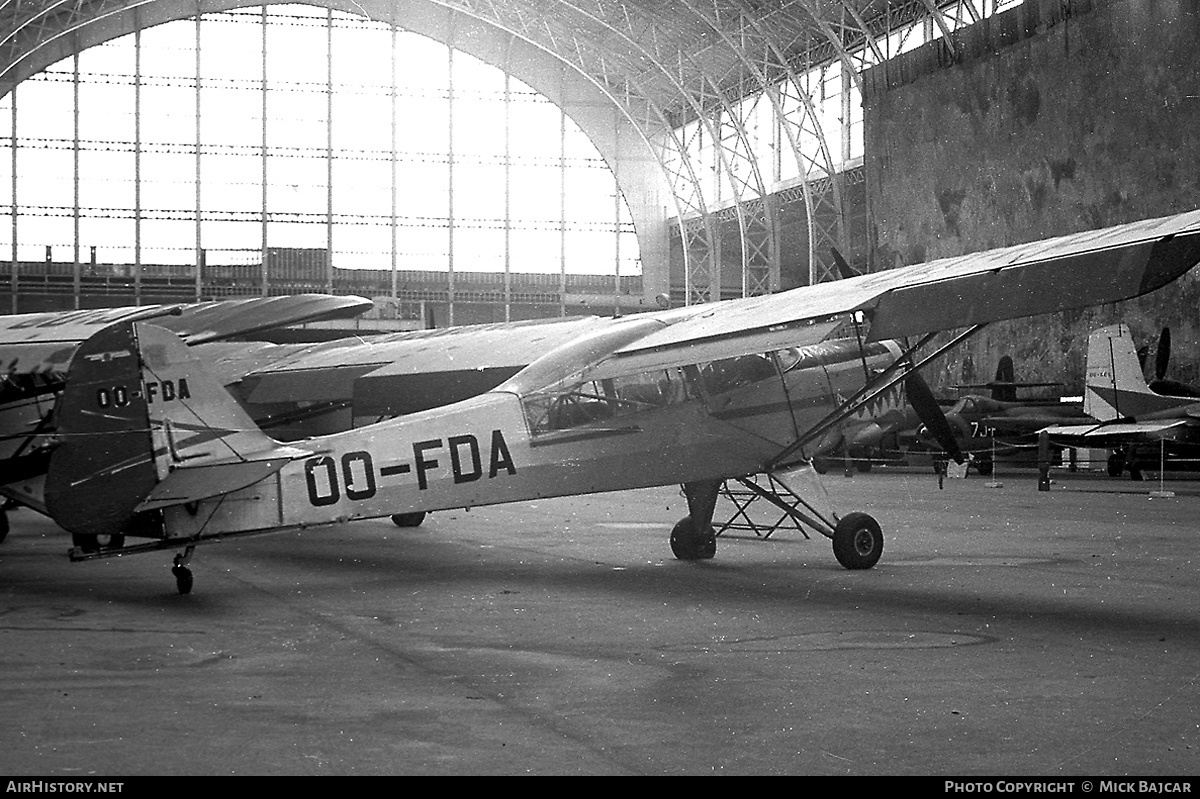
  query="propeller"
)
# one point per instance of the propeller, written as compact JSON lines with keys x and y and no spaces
{"x":844,"y":268}
{"x":930,"y":413}
{"x":1162,"y":359}
{"x":1162,"y":355}
{"x":1004,"y":386}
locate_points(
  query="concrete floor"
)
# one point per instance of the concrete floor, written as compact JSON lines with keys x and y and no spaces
{"x":1006,"y":631}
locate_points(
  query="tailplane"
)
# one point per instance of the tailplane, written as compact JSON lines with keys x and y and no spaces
{"x":142,"y":425}
{"x":1116,"y":387}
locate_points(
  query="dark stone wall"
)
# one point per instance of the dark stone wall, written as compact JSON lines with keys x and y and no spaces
{"x":1056,"y":117}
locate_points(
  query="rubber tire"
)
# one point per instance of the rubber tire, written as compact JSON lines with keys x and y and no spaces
{"x":183,"y":579}
{"x":820,"y":465}
{"x":687,"y":544}
{"x":1116,"y":464}
{"x":863,"y":466}
{"x":857,"y":541}
{"x":3,"y":525}
{"x":408,"y":519}
{"x":984,"y":466}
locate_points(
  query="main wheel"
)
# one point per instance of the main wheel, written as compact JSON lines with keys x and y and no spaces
{"x":3,"y":525}
{"x":984,"y":466}
{"x":408,"y":519}
{"x":688,"y":543}
{"x":857,"y":541}
{"x":1116,"y":464}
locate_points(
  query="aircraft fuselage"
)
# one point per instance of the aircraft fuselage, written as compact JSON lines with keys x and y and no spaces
{"x":708,"y":421}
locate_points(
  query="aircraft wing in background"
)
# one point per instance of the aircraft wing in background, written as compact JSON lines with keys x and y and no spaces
{"x":43,"y":343}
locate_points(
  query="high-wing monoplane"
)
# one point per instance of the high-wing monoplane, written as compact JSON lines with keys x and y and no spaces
{"x":1134,"y":421}
{"x":150,"y":444}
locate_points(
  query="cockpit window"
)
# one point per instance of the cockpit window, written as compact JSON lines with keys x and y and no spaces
{"x":582,"y":402}
{"x":730,"y":373}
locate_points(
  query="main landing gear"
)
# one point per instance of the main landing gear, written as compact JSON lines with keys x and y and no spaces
{"x":857,"y":538}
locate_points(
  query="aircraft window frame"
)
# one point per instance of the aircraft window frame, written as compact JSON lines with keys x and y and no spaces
{"x":578,"y":402}
{"x":729,"y":374}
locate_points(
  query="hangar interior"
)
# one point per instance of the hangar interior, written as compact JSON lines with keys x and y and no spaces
{"x":476,"y":160}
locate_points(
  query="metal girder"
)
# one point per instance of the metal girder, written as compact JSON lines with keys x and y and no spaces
{"x":714,"y":62}
{"x":701,"y":264}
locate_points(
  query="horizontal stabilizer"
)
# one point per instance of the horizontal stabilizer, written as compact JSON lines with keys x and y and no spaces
{"x":192,"y":484}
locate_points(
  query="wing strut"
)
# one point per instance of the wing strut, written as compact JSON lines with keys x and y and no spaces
{"x":883,"y":382}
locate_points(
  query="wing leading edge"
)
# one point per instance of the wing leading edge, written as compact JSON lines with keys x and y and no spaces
{"x":1074,"y":271}
{"x":43,"y":343}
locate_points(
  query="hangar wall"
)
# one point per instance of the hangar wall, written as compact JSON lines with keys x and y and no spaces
{"x":1058,"y":116}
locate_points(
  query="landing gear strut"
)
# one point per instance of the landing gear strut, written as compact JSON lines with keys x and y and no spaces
{"x":857,"y":538}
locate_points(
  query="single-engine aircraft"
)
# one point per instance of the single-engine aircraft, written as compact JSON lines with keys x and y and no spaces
{"x":1130,"y":414}
{"x":151,"y":445}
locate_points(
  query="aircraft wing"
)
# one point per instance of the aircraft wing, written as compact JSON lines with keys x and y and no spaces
{"x":45,"y":342}
{"x":407,"y":372}
{"x":226,"y":319}
{"x":1074,"y":271}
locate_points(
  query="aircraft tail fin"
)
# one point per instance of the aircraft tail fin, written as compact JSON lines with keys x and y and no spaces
{"x":143,"y":425}
{"x":1116,"y":387}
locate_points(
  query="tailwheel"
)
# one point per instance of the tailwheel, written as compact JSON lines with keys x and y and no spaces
{"x":857,"y":541}
{"x":691,"y":543}
{"x":408,"y":519}
{"x":183,"y":579}
{"x":183,"y":575}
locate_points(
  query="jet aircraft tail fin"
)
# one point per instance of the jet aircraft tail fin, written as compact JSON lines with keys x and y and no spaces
{"x":143,"y":425}
{"x":1116,"y":387}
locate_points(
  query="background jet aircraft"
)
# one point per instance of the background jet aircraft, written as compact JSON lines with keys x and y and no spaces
{"x":1000,"y":424}
{"x":695,"y":397}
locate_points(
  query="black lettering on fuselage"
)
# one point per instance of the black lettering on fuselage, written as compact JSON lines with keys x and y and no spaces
{"x":354,"y":474}
{"x":321,"y":492}
{"x":456,"y":444}
{"x":423,"y":464}
{"x":501,"y":458}
{"x":357,"y":488}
